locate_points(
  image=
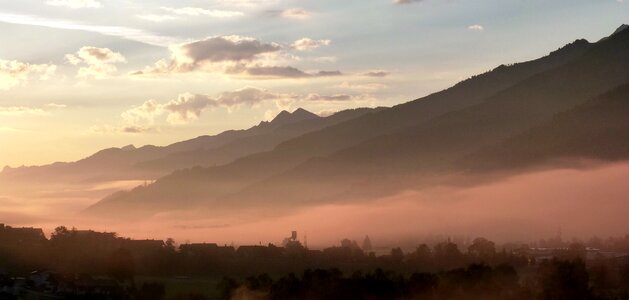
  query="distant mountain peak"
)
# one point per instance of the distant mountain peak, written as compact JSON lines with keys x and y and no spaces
{"x":128,"y":147}
{"x":621,"y":28}
{"x":299,"y":114}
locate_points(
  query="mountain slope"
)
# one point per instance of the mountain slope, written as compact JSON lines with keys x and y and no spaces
{"x":383,"y":164}
{"x":151,"y":161}
{"x":205,"y":186}
{"x":598,"y":129}
{"x":284,"y":126}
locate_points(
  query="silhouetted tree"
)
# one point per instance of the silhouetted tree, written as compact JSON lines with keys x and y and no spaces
{"x":121,"y":265}
{"x":367,"y":244}
{"x":483,"y":249}
{"x":563,"y":280}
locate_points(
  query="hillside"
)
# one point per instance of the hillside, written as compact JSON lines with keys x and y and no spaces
{"x":392,"y":162}
{"x":149,"y":162}
{"x":379,"y":149}
{"x":597,"y":129}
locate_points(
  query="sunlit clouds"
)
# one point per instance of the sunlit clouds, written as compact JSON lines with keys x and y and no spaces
{"x":14,"y":73}
{"x":236,"y":56}
{"x":97,"y":62}
{"x":308,"y":44}
{"x":22,"y":110}
{"x":102,"y":58}
{"x":295,"y":13}
{"x":476,"y":27}
{"x":74,"y":4}
{"x":189,"y":107}
{"x":129,"y":33}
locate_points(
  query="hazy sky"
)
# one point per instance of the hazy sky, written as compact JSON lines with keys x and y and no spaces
{"x":77,"y":76}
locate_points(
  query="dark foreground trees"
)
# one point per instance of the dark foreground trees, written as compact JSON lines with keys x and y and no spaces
{"x":473,"y":282}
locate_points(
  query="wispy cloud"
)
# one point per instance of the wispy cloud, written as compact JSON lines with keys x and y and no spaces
{"x":196,"y":11}
{"x":362,"y":86}
{"x":376,"y":73}
{"x":14,"y":73}
{"x":406,"y":1}
{"x":117,"y":31}
{"x":31,"y":110}
{"x":291,"y":13}
{"x":308,"y":44}
{"x":295,"y":13}
{"x":235,"y":56}
{"x":74,"y":4}
{"x":476,"y":27}
{"x":157,"y":18}
{"x":99,"y":61}
{"x":189,"y":107}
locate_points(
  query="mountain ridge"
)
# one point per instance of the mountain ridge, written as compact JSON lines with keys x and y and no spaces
{"x":269,"y":174}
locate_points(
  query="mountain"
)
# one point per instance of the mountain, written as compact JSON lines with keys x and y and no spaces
{"x":416,"y":154}
{"x":382,"y":152}
{"x":150,"y":162}
{"x":597,"y":129}
{"x":284,"y":117}
{"x":284,"y":127}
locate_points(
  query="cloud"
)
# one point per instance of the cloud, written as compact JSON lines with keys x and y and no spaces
{"x":476,"y":27}
{"x":196,"y":11}
{"x":288,"y":72}
{"x":337,"y":98}
{"x":99,"y":61}
{"x":142,"y":116}
{"x":406,"y":1}
{"x":308,"y":44}
{"x":378,"y":73}
{"x":294,"y":13}
{"x":362,"y":86}
{"x":117,"y":31}
{"x":74,"y":4}
{"x":248,"y":3}
{"x":189,"y":107}
{"x":30,"y":110}
{"x":210,"y":53}
{"x":326,"y":59}
{"x":14,"y":73}
{"x":226,"y":48}
{"x":232,"y":55}
{"x":157,"y":18}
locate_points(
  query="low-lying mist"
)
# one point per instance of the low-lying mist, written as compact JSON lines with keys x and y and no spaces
{"x":526,"y":207}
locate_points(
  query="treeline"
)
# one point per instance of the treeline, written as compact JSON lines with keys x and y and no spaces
{"x":445,"y":270}
{"x":553,"y":280}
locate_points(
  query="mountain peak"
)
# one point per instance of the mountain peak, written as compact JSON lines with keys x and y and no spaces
{"x":618,"y":30}
{"x":621,"y":28}
{"x":128,"y":147}
{"x":299,"y":114}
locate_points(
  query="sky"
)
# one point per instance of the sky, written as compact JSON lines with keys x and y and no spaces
{"x":77,"y":76}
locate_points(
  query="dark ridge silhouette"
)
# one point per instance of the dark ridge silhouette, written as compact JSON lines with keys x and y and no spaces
{"x":283,"y":127}
{"x":285,"y":117}
{"x":374,"y":154}
{"x":597,"y":129}
{"x":149,"y":161}
{"x":388,"y":163}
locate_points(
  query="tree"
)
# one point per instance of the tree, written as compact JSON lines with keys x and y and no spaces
{"x":482,"y":248}
{"x":561,"y":279}
{"x":121,"y":265}
{"x":367,"y":244}
{"x":447,"y":255}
